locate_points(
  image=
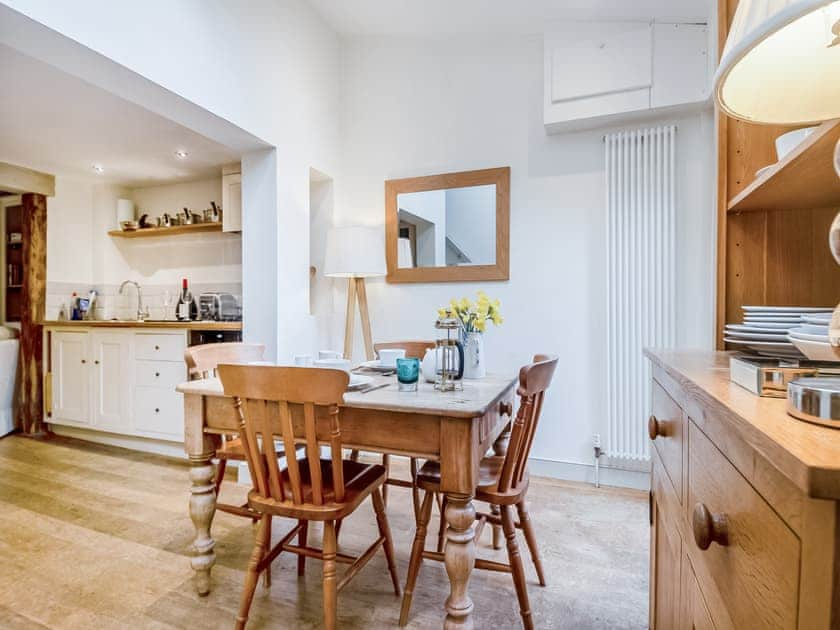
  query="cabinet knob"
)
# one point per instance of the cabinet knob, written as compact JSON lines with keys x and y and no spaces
{"x":157,"y":410}
{"x":656,"y":428}
{"x":157,"y":347}
{"x":157,"y":374}
{"x":96,"y":362}
{"x":506,"y":408}
{"x":709,"y":527}
{"x":84,"y":360}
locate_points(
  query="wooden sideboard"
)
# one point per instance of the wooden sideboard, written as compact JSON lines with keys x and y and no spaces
{"x":743,"y":504}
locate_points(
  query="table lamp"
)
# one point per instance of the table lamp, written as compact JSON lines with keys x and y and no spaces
{"x":355,"y":253}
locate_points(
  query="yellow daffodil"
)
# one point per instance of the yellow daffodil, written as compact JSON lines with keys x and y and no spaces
{"x":474,"y":315}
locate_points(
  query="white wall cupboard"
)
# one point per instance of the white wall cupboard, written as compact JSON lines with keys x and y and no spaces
{"x":601,"y":72}
{"x":232,"y":199}
{"x":117,"y":381}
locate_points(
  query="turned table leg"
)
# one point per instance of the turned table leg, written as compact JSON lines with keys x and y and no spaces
{"x":459,"y":559}
{"x":202,"y":509}
{"x":500,"y":447}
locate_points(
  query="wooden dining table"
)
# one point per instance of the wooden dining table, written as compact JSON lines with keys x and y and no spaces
{"x":455,"y":428}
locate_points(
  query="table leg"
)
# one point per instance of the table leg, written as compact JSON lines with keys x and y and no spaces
{"x":459,"y":559}
{"x":202,"y":509}
{"x":500,"y":447}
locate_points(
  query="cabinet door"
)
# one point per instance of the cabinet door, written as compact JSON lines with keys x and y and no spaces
{"x":232,"y":202}
{"x":70,"y":377}
{"x":697,"y":615}
{"x":665,"y":559}
{"x":112,"y":377}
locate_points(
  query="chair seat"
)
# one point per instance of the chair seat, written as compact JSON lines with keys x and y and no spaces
{"x":489,"y":471}
{"x":359,"y":481}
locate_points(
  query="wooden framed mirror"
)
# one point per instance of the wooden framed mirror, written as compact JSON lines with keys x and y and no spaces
{"x":453,"y":227}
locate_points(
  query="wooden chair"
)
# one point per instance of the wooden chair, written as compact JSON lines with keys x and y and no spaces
{"x":502,"y":482}
{"x":202,"y":362}
{"x":302,"y":405}
{"x":413,"y":350}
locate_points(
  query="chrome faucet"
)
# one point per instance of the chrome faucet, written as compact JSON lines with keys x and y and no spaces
{"x":141,"y":312}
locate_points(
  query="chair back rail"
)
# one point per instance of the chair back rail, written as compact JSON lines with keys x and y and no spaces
{"x":299,"y":405}
{"x":413,"y":349}
{"x":534,"y":380}
{"x":202,"y":360}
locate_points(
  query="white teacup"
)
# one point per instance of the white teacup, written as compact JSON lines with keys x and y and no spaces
{"x":329,"y":354}
{"x":388,"y":356}
{"x":303,"y":360}
{"x":335,"y":364}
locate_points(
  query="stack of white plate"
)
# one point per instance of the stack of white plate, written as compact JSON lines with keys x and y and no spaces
{"x":811,"y":338}
{"x":765,"y":330}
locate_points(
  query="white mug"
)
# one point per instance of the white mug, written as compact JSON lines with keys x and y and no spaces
{"x":335,"y":364}
{"x":329,"y":354}
{"x":388,"y":356}
{"x":303,"y":360}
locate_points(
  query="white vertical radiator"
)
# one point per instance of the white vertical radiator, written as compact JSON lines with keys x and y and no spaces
{"x":641,"y":276}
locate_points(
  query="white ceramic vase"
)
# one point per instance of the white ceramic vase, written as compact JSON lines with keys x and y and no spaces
{"x":474,"y":363}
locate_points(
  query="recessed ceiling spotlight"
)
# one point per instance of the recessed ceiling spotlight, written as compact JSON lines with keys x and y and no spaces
{"x":181,"y":155}
{"x":98,"y":168}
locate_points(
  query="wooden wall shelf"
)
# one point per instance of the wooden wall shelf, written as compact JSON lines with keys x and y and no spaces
{"x":170,"y":231}
{"x":803,"y":179}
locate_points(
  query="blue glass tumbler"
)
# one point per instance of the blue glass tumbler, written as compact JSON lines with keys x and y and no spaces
{"x":408,"y":373}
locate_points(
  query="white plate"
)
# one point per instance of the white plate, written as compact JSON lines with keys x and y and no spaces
{"x":357,"y":381}
{"x":376,"y":366}
{"x":817,"y":351}
{"x":763,"y":327}
{"x":746,"y":335}
{"x":793,"y":319}
{"x":764,"y":345}
{"x":787,"y":309}
{"x":818,"y":319}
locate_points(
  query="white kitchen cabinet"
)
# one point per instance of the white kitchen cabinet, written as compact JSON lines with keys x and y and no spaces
{"x":111,"y":382}
{"x":598,"y":73}
{"x":70,"y":377}
{"x":232,"y":202}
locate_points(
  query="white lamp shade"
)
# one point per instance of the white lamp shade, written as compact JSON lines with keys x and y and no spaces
{"x":355,"y":252}
{"x":781,"y":62}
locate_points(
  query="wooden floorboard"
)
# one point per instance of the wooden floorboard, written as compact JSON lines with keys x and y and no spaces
{"x":98,"y":537}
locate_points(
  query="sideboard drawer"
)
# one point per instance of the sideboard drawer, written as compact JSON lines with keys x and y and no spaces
{"x":165,"y":374}
{"x":160,"y":346}
{"x":751,"y":557}
{"x":666,"y":427}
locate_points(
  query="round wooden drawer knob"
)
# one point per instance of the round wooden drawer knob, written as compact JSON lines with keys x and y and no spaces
{"x":506,"y":409}
{"x":709,"y":527}
{"x":656,"y":428}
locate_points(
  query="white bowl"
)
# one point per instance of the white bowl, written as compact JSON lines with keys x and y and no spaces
{"x":335,"y":364}
{"x":787,"y":141}
{"x":817,"y":350}
{"x":388,"y":356}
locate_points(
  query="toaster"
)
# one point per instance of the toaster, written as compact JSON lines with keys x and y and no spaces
{"x":220,"y":307}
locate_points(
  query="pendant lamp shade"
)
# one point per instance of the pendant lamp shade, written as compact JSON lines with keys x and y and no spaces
{"x":781,"y":62}
{"x":355,"y":252}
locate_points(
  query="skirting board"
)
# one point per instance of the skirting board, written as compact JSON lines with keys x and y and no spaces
{"x":145,"y":445}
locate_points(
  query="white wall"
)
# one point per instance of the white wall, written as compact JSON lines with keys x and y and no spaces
{"x":414,"y":108}
{"x":471,"y":222}
{"x":268,"y":66}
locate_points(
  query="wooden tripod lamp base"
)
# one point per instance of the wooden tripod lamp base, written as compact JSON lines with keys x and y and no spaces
{"x":355,"y":253}
{"x":356,"y":291}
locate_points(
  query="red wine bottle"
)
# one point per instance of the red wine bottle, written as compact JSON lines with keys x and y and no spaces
{"x":187,"y":310}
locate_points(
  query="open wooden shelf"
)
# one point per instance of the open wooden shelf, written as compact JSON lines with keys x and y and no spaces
{"x":803,"y":179}
{"x":167,"y":231}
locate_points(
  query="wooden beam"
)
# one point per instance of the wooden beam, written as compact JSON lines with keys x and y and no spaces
{"x":16,"y":179}
{"x":34,"y":291}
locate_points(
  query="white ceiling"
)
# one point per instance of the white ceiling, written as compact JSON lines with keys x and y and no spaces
{"x":53,"y":122}
{"x":431,"y":18}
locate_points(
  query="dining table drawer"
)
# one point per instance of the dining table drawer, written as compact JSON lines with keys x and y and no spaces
{"x":160,"y":346}
{"x":164,"y":374}
{"x":666,"y":428}
{"x":745,"y":551}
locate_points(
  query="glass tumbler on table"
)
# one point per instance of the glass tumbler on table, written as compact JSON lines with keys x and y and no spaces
{"x":408,"y":373}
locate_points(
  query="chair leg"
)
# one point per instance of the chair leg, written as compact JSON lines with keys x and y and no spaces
{"x":267,"y":571}
{"x":354,"y":455}
{"x":388,"y":545}
{"x":386,"y":461}
{"x":252,"y":575}
{"x":531,"y":539}
{"x":442,"y":527}
{"x":416,"y":556}
{"x":330,"y":593}
{"x":415,"y":491}
{"x":220,"y":474}
{"x":516,"y":567}
{"x":497,"y":530}
{"x":304,"y":530}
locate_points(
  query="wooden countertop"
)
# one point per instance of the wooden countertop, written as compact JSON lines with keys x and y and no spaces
{"x":807,"y":454}
{"x":200,"y":325}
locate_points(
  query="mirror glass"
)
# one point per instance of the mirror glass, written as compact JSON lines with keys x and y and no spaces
{"x":451,"y":227}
